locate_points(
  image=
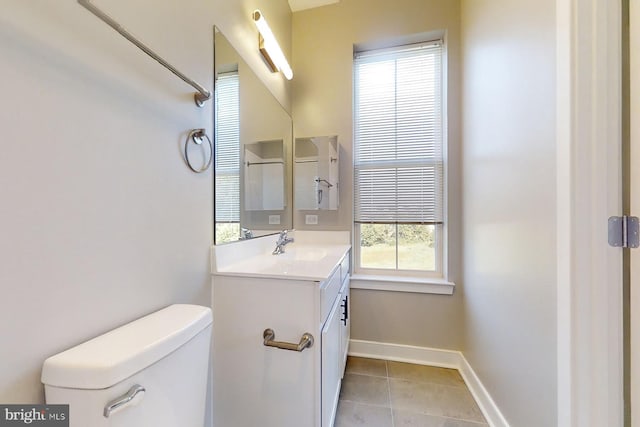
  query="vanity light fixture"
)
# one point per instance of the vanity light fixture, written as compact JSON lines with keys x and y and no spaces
{"x":269,"y":47}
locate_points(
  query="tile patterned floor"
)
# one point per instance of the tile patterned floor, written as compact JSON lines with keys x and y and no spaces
{"x":380,"y":393}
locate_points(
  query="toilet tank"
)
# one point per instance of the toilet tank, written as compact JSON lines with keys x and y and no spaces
{"x":166,"y":354}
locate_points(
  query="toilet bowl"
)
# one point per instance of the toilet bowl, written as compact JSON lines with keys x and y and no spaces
{"x":150,"y":372}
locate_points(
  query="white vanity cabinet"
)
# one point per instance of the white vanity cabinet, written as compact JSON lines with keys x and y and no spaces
{"x":345,"y":310}
{"x":335,"y":342}
{"x":259,"y":385}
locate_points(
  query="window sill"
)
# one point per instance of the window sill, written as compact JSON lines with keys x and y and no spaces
{"x":420,"y":285}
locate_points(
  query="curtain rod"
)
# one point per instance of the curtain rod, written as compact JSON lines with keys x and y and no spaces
{"x":200,"y":97}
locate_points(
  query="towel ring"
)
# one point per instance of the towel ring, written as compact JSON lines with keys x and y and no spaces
{"x":196,"y":135}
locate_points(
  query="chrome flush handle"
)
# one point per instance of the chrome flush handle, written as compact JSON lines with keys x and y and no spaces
{"x":132,"y":397}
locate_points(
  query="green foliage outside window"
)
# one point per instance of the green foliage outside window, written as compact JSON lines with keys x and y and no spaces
{"x":227,"y":232}
{"x":379,"y":234}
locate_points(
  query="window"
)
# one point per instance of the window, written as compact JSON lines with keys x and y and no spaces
{"x":398,"y":160}
{"x":227,"y":157}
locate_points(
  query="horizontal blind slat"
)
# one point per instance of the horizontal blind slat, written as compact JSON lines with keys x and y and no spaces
{"x":227,"y":148}
{"x":399,"y":169}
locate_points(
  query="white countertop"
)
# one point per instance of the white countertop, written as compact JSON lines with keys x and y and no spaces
{"x":302,"y":262}
{"x":305,"y":259}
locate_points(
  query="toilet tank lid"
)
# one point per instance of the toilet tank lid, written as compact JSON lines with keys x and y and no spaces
{"x":110,"y":358}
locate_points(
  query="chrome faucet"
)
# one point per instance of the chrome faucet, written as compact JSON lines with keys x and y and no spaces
{"x":283,"y":240}
{"x":245,"y":233}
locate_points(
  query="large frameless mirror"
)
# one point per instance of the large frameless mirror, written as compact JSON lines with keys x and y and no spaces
{"x":253,"y":146}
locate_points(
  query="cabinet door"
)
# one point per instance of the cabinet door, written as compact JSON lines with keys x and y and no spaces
{"x":345,"y":324}
{"x":331,"y":364}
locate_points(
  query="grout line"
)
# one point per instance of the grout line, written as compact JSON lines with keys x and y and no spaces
{"x":479,"y":423}
{"x":424,"y":412}
{"x":439,"y":358}
{"x":386,"y":368}
{"x":365,"y":404}
{"x":365,"y":375}
{"x":446,"y":386}
{"x":445,"y":417}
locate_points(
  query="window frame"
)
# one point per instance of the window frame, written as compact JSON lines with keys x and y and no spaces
{"x":409,"y":278}
{"x":438,"y":273}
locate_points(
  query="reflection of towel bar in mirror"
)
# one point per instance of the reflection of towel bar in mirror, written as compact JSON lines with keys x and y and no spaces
{"x":264,"y":176}
{"x":320,"y":180}
{"x":316,"y":173}
{"x":281,"y":162}
{"x":333,"y":160}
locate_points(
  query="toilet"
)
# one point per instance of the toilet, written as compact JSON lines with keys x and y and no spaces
{"x":150,"y":372}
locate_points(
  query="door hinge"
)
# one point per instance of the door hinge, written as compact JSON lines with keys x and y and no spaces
{"x":624,"y":231}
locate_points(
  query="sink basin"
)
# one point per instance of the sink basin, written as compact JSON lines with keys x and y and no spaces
{"x":314,"y":262}
{"x":302,"y":253}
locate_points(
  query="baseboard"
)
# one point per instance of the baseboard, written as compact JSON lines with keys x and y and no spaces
{"x":433,"y":357}
{"x":405,"y":353}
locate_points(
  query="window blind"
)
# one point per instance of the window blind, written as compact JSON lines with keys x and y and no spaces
{"x":227,"y":147}
{"x":398,"y":154}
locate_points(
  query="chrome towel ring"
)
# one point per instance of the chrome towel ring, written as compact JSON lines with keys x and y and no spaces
{"x":197,"y":136}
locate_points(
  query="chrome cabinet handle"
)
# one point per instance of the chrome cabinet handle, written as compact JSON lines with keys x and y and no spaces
{"x":305,"y":342}
{"x":119,"y":402}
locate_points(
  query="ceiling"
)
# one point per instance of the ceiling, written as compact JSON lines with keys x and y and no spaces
{"x":297,"y":5}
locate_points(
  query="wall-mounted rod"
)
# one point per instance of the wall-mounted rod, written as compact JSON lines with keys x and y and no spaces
{"x":321,"y":180}
{"x":200,"y":97}
{"x":265,"y":163}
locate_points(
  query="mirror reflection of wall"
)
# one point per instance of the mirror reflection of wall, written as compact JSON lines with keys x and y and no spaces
{"x":249,"y":121}
{"x":316,"y":169}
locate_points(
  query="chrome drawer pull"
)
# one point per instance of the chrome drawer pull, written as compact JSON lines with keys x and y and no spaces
{"x":119,"y":402}
{"x":305,"y":342}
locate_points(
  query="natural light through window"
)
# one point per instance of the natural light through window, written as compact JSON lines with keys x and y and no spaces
{"x":227,"y":157}
{"x":398,"y":160}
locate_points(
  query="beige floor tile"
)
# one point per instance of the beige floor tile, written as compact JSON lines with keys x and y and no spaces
{"x":434,"y":399}
{"x":363,"y":366}
{"x":410,"y":419}
{"x":431,"y":374}
{"x":351,"y":414}
{"x":365,"y":389}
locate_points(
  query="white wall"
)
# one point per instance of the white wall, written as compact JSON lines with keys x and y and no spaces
{"x":509,"y":204}
{"x":323,"y":42}
{"x":101,"y":221}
